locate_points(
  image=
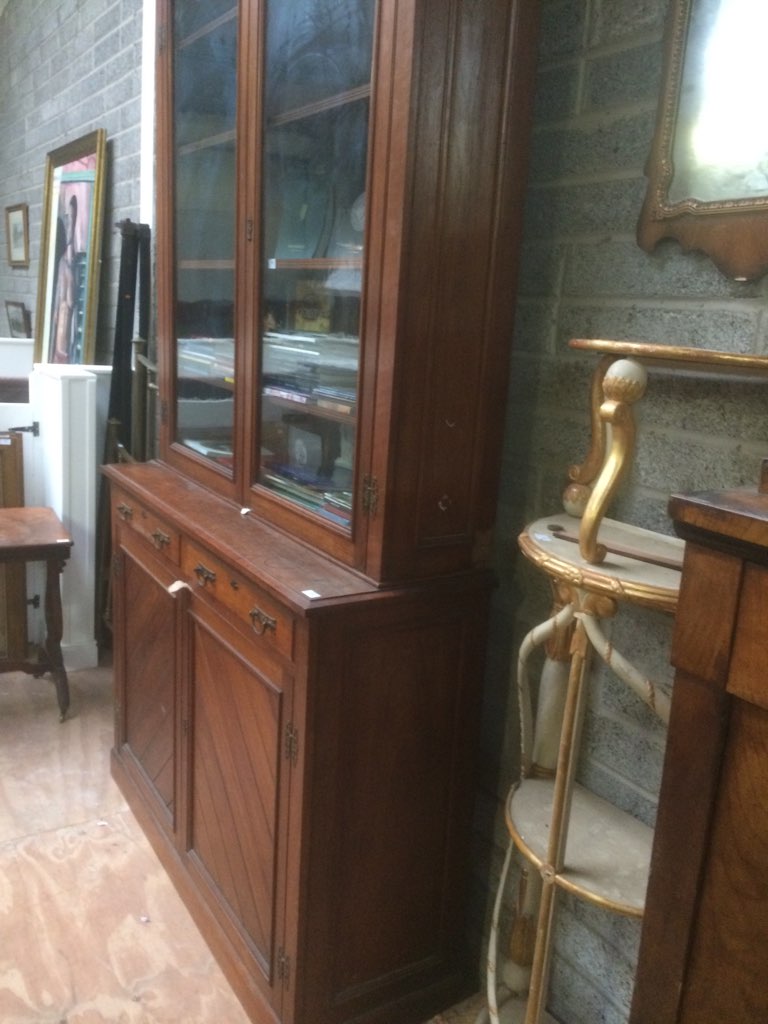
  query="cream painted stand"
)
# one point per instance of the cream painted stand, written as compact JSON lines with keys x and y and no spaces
{"x":568,"y":837}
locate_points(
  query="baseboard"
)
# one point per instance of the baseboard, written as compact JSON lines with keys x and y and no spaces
{"x":81,"y":655}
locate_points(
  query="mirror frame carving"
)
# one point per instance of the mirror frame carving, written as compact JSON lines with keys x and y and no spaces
{"x":732,"y":232}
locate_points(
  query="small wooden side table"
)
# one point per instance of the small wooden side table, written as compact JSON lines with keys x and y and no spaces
{"x":37,"y":535}
{"x":702,"y":956}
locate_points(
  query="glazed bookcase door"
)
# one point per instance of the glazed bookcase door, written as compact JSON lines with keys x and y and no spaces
{"x":315,"y":124}
{"x":197,"y":236}
{"x":339,"y":211}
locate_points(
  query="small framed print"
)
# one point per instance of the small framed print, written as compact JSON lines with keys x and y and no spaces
{"x":312,"y":309}
{"x":19,"y":319}
{"x":17,"y":234}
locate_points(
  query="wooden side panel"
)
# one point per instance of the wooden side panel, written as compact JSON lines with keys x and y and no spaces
{"x":726,"y":979}
{"x":13,"y":612}
{"x":390,"y":794}
{"x":731,"y":931}
{"x":701,"y":651}
{"x":705,"y":932}
{"x":13,"y":585}
{"x":466,"y":159}
{"x":11,"y":470}
{"x":706,"y":611}
{"x":688,"y":792}
{"x":748,"y":679}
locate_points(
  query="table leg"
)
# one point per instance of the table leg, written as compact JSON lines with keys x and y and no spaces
{"x":573,"y":716}
{"x":54,"y":630}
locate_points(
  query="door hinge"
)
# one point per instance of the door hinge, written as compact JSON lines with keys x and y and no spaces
{"x":117,"y":565}
{"x":33,"y":429}
{"x":283,"y":967}
{"x":249,"y":229}
{"x":291,"y":743}
{"x":370,"y":495}
{"x":162,"y":39}
{"x":164,"y":412}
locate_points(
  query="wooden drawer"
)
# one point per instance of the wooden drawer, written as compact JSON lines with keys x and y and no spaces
{"x":148,"y":525}
{"x":252,"y":607}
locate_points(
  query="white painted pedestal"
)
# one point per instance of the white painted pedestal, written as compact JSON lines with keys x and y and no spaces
{"x":69,"y":404}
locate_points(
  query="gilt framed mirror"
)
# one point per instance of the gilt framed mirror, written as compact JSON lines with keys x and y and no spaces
{"x":708,"y":167}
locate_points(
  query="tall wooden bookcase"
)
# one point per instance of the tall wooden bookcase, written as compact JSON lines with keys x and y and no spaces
{"x":301,"y":579}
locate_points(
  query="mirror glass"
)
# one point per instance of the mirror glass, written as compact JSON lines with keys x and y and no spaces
{"x":720,"y":147}
{"x":708,"y":166}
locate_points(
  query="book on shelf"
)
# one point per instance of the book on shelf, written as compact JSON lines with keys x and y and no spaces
{"x":346,"y":394}
{"x":335,"y":406}
{"x":218,"y":451}
{"x":286,"y":393}
{"x":316,"y":398}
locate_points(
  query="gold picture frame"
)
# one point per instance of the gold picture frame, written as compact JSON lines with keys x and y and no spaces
{"x":17,"y":234}
{"x":70,"y":251}
{"x":721,"y":210}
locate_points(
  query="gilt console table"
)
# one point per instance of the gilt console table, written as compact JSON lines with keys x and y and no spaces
{"x":569,"y":838}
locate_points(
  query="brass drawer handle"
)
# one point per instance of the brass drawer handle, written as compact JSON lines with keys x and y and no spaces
{"x":160,"y":539}
{"x":261,"y":622}
{"x":124,"y":511}
{"x":204,"y":575}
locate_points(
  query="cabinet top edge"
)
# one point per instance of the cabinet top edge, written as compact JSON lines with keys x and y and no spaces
{"x":304,"y":579}
{"x":296,"y":574}
{"x":739,"y":515}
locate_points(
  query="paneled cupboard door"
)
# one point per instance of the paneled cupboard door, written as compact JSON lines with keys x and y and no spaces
{"x":146,"y":672}
{"x":238,"y":789}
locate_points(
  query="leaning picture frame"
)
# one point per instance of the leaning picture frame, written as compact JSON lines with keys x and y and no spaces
{"x":70,"y":251}
{"x":19,"y":320}
{"x":17,"y":234}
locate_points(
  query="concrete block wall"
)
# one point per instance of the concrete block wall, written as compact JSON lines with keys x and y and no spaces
{"x":583,"y":275}
{"x":68,"y":67}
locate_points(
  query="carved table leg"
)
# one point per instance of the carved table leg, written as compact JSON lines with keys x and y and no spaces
{"x":54,"y":630}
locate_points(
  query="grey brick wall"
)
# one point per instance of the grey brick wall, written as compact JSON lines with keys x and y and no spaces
{"x":584,"y":276}
{"x":66,"y":68}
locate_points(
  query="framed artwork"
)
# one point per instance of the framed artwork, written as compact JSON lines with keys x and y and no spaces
{"x":18,"y":319}
{"x":17,"y":234}
{"x":70,"y":251}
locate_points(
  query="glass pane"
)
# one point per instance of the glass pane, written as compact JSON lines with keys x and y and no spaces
{"x":192,"y":15}
{"x":315,"y":150}
{"x":205,"y":155}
